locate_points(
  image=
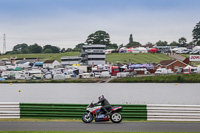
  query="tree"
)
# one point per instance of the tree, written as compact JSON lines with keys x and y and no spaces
{"x":131,"y":38}
{"x":78,"y":47}
{"x":149,"y":44}
{"x":111,"y":46}
{"x":47,"y":51}
{"x":69,"y":50}
{"x":174,"y":43}
{"x":120,"y":46}
{"x":62,"y":50}
{"x":161,"y":43}
{"x":21,"y":48}
{"x":55,"y":49}
{"x":35,"y":48}
{"x":99,"y":37}
{"x":196,"y":34}
{"x":182,"y":41}
{"x":132,"y":43}
{"x":51,"y":49}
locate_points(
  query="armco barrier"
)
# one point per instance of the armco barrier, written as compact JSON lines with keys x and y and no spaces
{"x":9,"y":110}
{"x":162,"y":112}
{"x":75,"y":111}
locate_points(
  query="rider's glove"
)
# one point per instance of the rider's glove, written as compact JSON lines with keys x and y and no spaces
{"x":95,"y":104}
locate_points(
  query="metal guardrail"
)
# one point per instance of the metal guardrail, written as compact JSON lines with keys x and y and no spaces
{"x":164,"y":112}
{"x":9,"y":110}
{"x":150,"y":112}
{"x":75,"y":111}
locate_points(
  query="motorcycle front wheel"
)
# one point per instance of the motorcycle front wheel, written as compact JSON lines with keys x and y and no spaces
{"x":116,"y":117}
{"x":87,"y":117}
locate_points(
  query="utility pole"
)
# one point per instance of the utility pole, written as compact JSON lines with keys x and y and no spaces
{"x":4,"y":44}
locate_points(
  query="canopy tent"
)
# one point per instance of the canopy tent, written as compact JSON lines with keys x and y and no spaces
{"x":147,"y":66}
{"x":17,"y":69}
{"x":137,"y":50}
{"x":153,"y":50}
{"x":76,"y":65}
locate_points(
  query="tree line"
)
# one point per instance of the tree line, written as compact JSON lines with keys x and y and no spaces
{"x":102,"y":37}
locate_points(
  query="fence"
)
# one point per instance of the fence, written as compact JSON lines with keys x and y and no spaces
{"x":9,"y":110}
{"x":75,"y":111}
{"x":150,"y":112}
{"x":161,"y":112}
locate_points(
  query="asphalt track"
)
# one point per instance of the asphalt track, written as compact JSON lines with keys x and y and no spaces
{"x":102,"y":126}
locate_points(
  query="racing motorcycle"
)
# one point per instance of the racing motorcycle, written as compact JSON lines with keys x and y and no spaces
{"x":95,"y":112}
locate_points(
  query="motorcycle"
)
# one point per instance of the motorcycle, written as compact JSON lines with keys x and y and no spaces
{"x":95,"y":112}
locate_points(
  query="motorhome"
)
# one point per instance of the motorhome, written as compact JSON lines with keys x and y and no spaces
{"x":163,"y":71}
{"x":36,"y":74}
{"x":189,"y":69}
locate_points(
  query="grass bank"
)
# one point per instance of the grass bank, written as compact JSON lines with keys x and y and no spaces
{"x":192,"y":78}
{"x":44,"y":56}
{"x":54,"y":81}
{"x":113,"y":58}
{"x":75,"y":132}
{"x":136,"y":57}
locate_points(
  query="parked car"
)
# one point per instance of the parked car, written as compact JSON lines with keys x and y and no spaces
{"x":195,"y":52}
{"x":86,"y":75}
{"x":97,"y":75}
{"x":105,"y":74}
{"x":122,"y":74}
{"x":185,"y":51}
{"x":132,"y":74}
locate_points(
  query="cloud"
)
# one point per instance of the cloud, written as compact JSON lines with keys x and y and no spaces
{"x":67,"y":25}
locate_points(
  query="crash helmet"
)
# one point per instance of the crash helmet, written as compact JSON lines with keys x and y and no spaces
{"x":102,"y":96}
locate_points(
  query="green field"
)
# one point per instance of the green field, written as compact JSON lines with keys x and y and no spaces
{"x":71,"y":132}
{"x":136,"y":58}
{"x":113,"y":58}
{"x":43,"y":56}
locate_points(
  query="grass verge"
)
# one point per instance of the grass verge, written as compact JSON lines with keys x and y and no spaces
{"x":136,"y":57}
{"x":74,"y":132}
{"x":190,"y":78}
{"x":54,"y":81}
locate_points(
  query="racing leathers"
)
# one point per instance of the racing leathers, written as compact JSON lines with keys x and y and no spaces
{"x":105,"y":105}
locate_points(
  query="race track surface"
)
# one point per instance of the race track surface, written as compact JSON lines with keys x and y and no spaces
{"x":102,"y":126}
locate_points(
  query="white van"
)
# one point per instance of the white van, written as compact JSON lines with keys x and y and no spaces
{"x":105,"y":74}
{"x":85,"y":75}
{"x":163,"y":71}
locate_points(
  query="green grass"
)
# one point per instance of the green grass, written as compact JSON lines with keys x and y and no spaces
{"x":74,"y":132}
{"x":120,"y":57}
{"x":136,"y":57}
{"x":44,"y":56}
{"x":192,"y":78}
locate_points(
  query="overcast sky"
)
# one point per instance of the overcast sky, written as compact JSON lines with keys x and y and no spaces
{"x":66,"y":23}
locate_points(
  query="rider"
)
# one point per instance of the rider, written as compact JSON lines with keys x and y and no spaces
{"x":104,"y":103}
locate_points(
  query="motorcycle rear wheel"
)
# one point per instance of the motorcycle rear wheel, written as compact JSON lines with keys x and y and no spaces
{"x":87,"y":118}
{"x":116,"y":117}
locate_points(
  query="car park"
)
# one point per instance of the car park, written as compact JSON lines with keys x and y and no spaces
{"x":185,"y":51}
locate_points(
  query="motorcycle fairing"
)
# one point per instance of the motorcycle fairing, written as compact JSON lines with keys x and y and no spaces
{"x":116,"y":108}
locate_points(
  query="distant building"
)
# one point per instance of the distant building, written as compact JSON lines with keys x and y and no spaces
{"x":93,"y":54}
{"x":70,"y":60}
{"x":90,"y":55}
{"x":51,"y":64}
{"x":174,"y":65}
